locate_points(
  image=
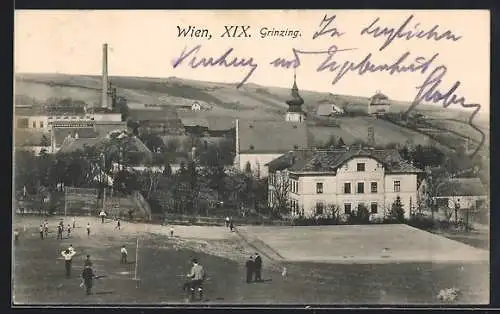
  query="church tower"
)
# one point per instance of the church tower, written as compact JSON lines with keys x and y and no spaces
{"x":294,"y":112}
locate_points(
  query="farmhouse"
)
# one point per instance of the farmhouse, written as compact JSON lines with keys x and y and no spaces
{"x":379,"y":104}
{"x":462,"y":192}
{"x":312,"y":180}
{"x":328,"y":110}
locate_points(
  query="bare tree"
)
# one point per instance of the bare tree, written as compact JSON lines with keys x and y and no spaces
{"x":280,"y":193}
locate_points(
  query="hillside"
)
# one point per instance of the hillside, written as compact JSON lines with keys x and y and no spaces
{"x":249,"y":102}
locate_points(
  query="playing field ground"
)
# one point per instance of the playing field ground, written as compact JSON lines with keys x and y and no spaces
{"x":162,"y":262}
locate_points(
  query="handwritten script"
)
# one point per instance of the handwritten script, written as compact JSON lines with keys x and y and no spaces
{"x":335,"y":60}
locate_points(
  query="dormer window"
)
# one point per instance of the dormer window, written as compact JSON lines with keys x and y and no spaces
{"x":252,"y":147}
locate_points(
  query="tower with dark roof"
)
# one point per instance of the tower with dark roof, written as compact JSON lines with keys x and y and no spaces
{"x":294,"y":112}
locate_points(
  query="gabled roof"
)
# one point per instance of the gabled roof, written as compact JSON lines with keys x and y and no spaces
{"x":194,"y":121}
{"x":60,"y":134}
{"x":462,"y":187}
{"x":271,"y":137}
{"x":331,"y":160}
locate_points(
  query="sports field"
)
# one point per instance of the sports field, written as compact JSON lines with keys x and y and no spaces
{"x":163,"y":261}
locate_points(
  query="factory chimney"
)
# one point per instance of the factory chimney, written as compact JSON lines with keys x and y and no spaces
{"x":104,"y":91}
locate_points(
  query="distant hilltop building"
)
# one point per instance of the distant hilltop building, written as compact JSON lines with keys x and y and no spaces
{"x":379,"y":104}
{"x":259,"y":142}
{"x":328,"y":110}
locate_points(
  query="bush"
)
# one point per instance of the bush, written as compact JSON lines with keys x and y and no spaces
{"x":397,"y":212}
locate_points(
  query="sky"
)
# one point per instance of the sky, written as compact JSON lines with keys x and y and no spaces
{"x":144,"y":43}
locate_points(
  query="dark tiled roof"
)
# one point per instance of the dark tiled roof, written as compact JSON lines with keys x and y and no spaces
{"x":60,"y":134}
{"x":78,"y":144}
{"x":104,"y":127}
{"x":330,"y":160}
{"x":462,"y":187}
{"x":194,"y":121}
{"x":271,"y":136}
{"x":220,"y":123}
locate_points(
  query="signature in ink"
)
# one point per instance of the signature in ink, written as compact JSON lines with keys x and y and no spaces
{"x":428,"y":92}
{"x":333,"y":31}
{"x":224,"y":60}
{"x":401,"y":33}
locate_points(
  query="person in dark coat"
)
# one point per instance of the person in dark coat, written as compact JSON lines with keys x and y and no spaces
{"x":231,"y":226}
{"x":88,"y":276}
{"x":250,"y":268}
{"x":258,"y":267}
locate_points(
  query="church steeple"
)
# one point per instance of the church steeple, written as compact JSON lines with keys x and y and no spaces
{"x":294,"y":112}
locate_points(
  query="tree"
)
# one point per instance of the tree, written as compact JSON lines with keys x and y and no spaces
{"x":248,"y":168}
{"x":44,"y":141}
{"x":397,"y":212}
{"x":167,"y":170}
{"x":279,"y":196}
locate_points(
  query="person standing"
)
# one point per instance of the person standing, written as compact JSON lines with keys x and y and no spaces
{"x":196,"y":278}
{"x":258,"y":267}
{"x":124,"y":254}
{"x":16,"y":236}
{"x":88,"y":276}
{"x":88,"y":229}
{"x":102,"y":214}
{"x":41,"y":232}
{"x":250,"y":269}
{"x":59,"y":232}
{"x":227,"y":222}
{"x":87,"y":261}
{"x":74,"y":222}
{"x":69,"y":231}
{"x":68,"y":258}
{"x":46,"y":228}
{"x":71,"y":249}
{"x":118,"y":224}
{"x":231,"y":226}
{"x":171,"y":231}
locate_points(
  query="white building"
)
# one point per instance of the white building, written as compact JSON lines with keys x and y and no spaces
{"x":196,"y":106}
{"x":348,"y":178}
{"x":468,"y":193}
{"x":328,"y":110}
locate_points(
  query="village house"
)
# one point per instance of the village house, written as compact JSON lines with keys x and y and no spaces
{"x":313,"y":180}
{"x":157,"y":120}
{"x":468,"y":193}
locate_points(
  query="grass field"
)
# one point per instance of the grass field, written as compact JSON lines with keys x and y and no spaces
{"x":162,"y":262}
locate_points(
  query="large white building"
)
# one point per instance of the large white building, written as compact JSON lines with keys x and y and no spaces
{"x":316,"y":179}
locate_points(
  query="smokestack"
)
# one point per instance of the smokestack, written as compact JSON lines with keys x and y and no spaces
{"x":104,"y":95}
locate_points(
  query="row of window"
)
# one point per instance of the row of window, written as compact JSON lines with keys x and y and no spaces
{"x":360,"y":187}
{"x":320,"y":208}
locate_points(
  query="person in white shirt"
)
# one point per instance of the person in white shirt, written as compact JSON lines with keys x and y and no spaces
{"x":68,"y":257}
{"x":102,"y":214}
{"x":227,"y":222}
{"x":71,"y":249}
{"x":124,"y":253}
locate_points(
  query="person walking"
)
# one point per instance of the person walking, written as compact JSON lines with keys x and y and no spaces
{"x":88,"y":277}
{"x":250,"y":269}
{"x":196,"y":277}
{"x":231,"y":226}
{"x":68,"y":257}
{"x":124,"y":254}
{"x":88,"y":229}
{"x":41,"y":232}
{"x":258,"y":267}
